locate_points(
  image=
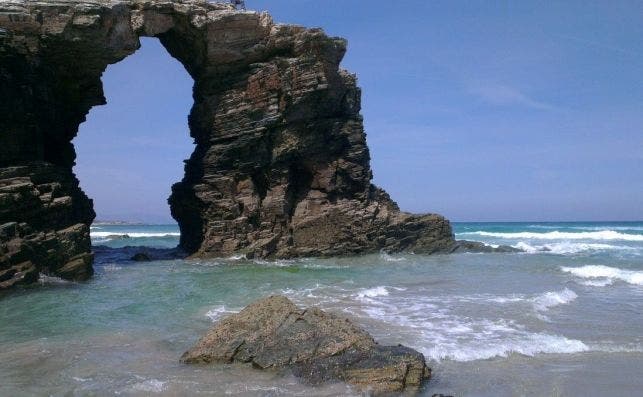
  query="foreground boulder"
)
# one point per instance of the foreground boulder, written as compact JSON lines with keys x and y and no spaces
{"x":281,"y":166}
{"x":317,"y":346}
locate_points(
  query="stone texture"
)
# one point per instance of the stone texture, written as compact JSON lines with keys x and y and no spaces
{"x":43,"y":225}
{"x":478,"y":247}
{"x":318,"y":346}
{"x":281,"y":166}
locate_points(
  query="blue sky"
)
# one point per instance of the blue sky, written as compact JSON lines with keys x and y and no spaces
{"x":480,"y":111}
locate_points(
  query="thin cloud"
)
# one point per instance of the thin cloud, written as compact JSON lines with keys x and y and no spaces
{"x":503,"y":95}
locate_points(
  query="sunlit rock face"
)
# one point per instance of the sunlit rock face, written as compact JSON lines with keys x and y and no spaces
{"x":273,"y":333}
{"x":281,"y":166}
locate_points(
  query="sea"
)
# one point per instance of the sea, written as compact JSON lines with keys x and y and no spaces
{"x":562,"y":318}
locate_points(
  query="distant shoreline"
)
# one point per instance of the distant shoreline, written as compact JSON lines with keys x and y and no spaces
{"x":117,"y":223}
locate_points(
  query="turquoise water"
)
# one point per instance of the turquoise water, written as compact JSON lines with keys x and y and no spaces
{"x":118,"y":236}
{"x":563,"y":318}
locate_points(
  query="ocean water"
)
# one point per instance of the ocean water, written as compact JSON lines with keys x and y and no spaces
{"x":564,"y":318}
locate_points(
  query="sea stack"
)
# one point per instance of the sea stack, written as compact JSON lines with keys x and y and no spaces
{"x":281,"y":167}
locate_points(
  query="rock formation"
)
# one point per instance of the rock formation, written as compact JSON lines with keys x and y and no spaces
{"x":317,"y":346}
{"x":281,"y":167}
{"x":44,"y":224}
{"x":478,"y":247}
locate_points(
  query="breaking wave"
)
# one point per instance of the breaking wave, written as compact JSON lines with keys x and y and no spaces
{"x":605,"y":275}
{"x":436,"y":329}
{"x":557,"y":235}
{"x":550,"y":299}
{"x":443,"y":334}
{"x":372,"y":292}
{"x":513,"y":342}
{"x":588,"y":228}
{"x":567,"y":247}
{"x":132,"y":235}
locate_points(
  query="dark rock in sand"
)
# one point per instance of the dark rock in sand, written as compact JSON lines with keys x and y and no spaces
{"x":476,"y":246}
{"x":317,"y":346}
{"x":281,"y":166}
{"x":141,"y":257}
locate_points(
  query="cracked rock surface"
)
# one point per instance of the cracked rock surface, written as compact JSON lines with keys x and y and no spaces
{"x":318,"y":346}
{"x":281,"y":167}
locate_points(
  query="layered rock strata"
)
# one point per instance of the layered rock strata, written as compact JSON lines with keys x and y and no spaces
{"x":318,"y":346}
{"x":44,"y":220}
{"x":281,"y":166}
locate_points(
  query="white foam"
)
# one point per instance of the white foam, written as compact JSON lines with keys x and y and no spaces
{"x":540,"y":302}
{"x":324,"y":267}
{"x":389,"y":258}
{"x":567,"y":247}
{"x":548,"y":300}
{"x":373,"y":292}
{"x":216,"y":313}
{"x":506,"y":299}
{"x":435,"y":327}
{"x":598,"y":283}
{"x":237,"y":257}
{"x":150,"y":386}
{"x":111,"y":268}
{"x":606,"y":272}
{"x":276,"y":263}
{"x":44,"y":279}
{"x":589,"y":228}
{"x":236,"y":389}
{"x":557,"y":235}
{"x":441,"y":335}
{"x":602,"y":228}
{"x":526,"y":344}
{"x":132,"y":234}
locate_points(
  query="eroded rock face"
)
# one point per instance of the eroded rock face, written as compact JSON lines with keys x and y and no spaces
{"x":281,"y":167}
{"x":318,"y":346}
{"x":44,"y":220}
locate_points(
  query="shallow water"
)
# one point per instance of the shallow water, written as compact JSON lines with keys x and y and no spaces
{"x":565,"y":318}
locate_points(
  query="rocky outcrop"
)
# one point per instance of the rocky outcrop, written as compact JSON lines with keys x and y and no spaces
{"x":478,"y":247}
{"x":281,"y":166}
{"x":318,"y":346}
{"x":44,"y":228}
{"x":141,"y":257}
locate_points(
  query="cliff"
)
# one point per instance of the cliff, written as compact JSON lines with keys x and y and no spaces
{"x":281,"y":166}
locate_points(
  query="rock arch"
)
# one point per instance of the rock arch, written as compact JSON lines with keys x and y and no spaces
{"x":281,"y":166}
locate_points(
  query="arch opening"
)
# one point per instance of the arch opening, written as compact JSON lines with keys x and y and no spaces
{"x":130,"y":151}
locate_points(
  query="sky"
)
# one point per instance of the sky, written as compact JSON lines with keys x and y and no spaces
{"x":480,"y":111}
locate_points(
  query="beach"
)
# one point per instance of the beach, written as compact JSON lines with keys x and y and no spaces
{"x":561,"y":318}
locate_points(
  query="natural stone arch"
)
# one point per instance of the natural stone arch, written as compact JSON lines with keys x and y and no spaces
{"x":281,"y":166}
